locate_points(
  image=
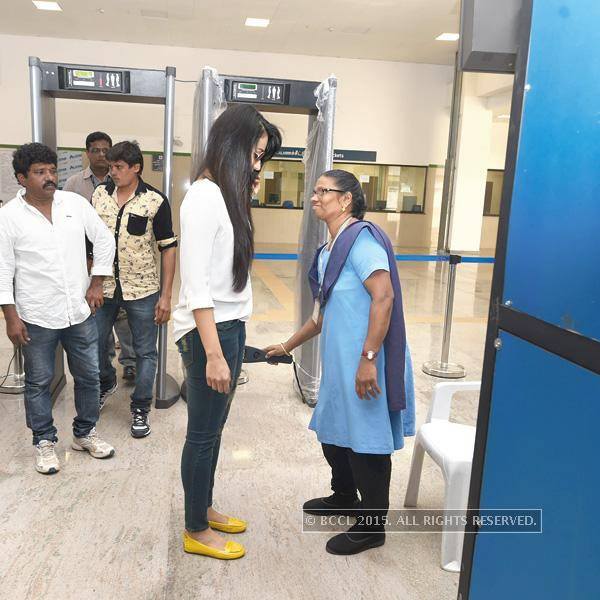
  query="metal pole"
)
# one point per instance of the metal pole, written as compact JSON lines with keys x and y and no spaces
{"x":35,"y":90}
{"x":14,"y":383}
{"x":326,"y":157}
{"x":43,"y":112}
{"x":208,"y":118}
{"x":448,"y":313}
{"x":167,"y":389}
{"x":443,"y":368}
{"x":244,"y":377}
{"x":205,"y":103}
{"x":43,"y":131}
{"x":450,"y":164}
{"x":207,"y":95}
{"x":315,"y":233}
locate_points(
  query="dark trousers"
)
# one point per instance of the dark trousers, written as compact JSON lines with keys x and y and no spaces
{"x":144,"y":334}
{"x":369,"y":474}
{"x":80,"y":343}
{"x":207,"y":414}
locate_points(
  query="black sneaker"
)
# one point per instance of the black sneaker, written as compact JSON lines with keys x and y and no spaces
{"x":129,"y":373}
{"x":140,"y":423}
{"x":104,"y":394}
{"x":355,"y":541}
{"x":336,"y":504}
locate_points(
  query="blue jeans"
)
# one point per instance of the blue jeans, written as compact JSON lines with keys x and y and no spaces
{"x":123,"y":333}
{"x":80,"y":343}
{"x":144,"y":335}
{"x":207,"y":414}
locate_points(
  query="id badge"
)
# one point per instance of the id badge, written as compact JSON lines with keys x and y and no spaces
{"x":316,"y":312}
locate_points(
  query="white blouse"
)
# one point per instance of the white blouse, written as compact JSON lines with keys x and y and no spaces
{"x":206,"y":260}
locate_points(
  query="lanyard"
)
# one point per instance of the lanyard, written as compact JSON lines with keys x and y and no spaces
{"x":317,"y":308}
{"x":337,"y":235}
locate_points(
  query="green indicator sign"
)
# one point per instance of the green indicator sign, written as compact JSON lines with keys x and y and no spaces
{"x":83,"y":74}
{"x":249,"y":87}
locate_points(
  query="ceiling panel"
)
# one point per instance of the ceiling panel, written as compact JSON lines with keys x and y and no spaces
{"x":397,"y":30}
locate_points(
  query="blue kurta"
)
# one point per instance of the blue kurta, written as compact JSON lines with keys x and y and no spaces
{"x":341,"y":417}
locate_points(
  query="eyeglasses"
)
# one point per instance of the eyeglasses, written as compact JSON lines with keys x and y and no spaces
{"x":258,"y":156}
{"x":98,"y":150}
{"x":320,"y":192}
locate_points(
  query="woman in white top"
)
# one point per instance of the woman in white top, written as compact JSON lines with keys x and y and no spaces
{"x":215,"y":301}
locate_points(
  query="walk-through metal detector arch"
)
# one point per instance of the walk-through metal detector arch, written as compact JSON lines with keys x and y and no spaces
{"x":317,"y":100}
{"x":50,"y":80}
{"x":537,"y":430}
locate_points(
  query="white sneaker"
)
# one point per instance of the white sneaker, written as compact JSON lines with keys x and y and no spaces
{"x":93,"y":444}
{"x":106,"y":393}
{"x":46,"y":461}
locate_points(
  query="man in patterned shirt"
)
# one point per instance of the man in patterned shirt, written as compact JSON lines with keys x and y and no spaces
{"x":139,"y":216}
{"x":97,"y":145}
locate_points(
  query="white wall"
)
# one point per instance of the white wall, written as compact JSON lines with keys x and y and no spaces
{"x":397,"y":109}
{"x":491,"y":84}
{"x":472,"y":163}
{"x":497,"y":157}
{"x":489,"y":233}
{"x":498,"y":143}
{"x":279,"y":227}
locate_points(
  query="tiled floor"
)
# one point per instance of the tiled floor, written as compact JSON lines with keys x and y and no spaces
{"x":111,"y":529}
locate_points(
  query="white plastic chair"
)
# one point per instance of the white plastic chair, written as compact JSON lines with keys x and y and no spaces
{"x":450,"y":445}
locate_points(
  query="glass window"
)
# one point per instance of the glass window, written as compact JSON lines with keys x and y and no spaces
{"x":493,"y":193}
{"x":387,"y":188}
{"x":282,"y":185}
{"x":390,"y":188}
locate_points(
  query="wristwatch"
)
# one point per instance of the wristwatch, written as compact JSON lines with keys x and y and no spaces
{"x":369,"y":354}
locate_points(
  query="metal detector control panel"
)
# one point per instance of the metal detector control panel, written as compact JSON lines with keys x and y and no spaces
{"x":257,"y":92}
{"x":271,"y":95}
{"x":105,"y":83}
{"x":94,"y":80}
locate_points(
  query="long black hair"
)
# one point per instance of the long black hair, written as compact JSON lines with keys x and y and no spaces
{"x":228,"y":162}
{"x":347,"y":182}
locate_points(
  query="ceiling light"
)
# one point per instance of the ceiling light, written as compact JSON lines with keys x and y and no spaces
{"x":46,"y":5}
{"x":251,"y":22}
{"x":504,"y":116}
{"x":447,"y":37}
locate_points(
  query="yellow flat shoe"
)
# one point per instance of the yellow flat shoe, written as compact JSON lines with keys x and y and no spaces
{"x":232,"y":549}
{"x":233,"y":525}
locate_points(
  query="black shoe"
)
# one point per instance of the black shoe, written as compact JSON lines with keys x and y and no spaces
{"x":355,"y":541}
{"x":104,"y":394}
{"x":140,"y":423}
{"x":336,"y":504}
{"x":129,"y":373}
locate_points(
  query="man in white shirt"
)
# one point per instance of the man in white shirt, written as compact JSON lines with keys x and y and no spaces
{"x":47,"y":297}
